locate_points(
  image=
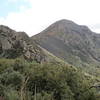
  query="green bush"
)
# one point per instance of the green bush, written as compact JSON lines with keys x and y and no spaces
{"x":46,"y":81}
{"x":11,"y":78}
{"x":11,"y":94}
{"x":5,"y":63}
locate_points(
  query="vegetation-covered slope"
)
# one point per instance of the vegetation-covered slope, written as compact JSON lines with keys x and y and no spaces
{"x":21,"y":80}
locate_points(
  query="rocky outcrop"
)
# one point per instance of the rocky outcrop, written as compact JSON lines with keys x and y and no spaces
{"x":17,"y":44}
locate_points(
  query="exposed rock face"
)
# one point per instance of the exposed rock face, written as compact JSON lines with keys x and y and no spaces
{"x":73,"y":43}
{"x":17,"y":44}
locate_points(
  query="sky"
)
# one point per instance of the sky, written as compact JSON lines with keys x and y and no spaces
{"x":33,"y":16}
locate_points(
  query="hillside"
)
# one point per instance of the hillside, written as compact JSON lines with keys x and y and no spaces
{"x":73,"y":43}
{"x":22,"y":80}
{"x":18,"y":44}
{"x":28,"y":71}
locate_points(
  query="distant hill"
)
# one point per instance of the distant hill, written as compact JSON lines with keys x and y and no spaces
{"x":73,"y":43}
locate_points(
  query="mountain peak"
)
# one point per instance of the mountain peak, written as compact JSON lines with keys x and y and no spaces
{"x":66,"y":27}
{"x":71,"y":25}
{"x":68,"y":40}
{"x":64,"y":21}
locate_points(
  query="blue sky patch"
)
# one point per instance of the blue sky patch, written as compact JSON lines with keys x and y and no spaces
{"x":7,"y":6}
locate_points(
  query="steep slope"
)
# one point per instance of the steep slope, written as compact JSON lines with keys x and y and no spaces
{"x":75,"y":44}
{"x":17,"y":44}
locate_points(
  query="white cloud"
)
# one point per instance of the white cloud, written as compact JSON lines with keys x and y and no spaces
{"x":44,"y":12}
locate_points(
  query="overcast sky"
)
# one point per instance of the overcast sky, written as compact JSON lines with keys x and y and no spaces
{"x":33,"y":16}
